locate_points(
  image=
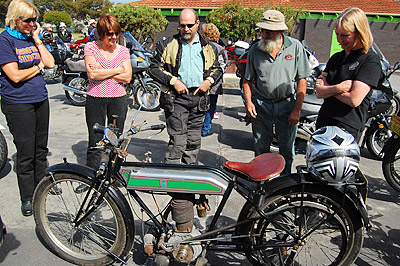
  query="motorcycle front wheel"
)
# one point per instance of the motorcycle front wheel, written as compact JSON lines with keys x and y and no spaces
{"x":376,"y":139}
{"x":3,"y":151}
{"x":80,"y":84}
{"x":153,"y":88}
{"x":55,"y":205}
{"x":328,"y":233}
{"x":391,"y":164}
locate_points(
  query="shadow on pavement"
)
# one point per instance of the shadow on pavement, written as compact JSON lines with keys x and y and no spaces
{"x":10,"y":243}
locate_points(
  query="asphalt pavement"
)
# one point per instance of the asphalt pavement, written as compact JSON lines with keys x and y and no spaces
{"x":232,"y":140}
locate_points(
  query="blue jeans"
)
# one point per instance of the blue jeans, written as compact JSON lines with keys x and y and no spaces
{"x":269,"y":114}
{"x":209,"y":114}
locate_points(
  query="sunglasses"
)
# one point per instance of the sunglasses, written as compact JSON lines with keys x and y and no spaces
{"x":187,"y":25}
{"x":29,"y":20}
{"x":112,"y":33}
{"x":267,"y":31}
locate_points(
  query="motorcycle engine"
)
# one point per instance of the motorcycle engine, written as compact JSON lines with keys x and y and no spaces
{"x":185,"y":252}
{"x":49,"y":73}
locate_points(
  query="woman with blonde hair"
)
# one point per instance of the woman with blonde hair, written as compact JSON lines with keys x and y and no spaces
{"x":345,"y":85}
{"x":24,"y":97}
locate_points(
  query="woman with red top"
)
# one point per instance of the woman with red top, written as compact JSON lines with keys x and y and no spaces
{"x":108,"y":66}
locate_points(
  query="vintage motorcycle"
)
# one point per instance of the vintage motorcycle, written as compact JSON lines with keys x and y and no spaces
{"x":75,"y":79}
{"x":295,"y":219}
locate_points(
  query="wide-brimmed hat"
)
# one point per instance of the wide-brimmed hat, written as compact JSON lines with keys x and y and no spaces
{"x":272,"y":20}
{"x":92,"y":21}
{"x":62,"y":24}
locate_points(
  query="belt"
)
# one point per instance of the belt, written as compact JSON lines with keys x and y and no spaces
{"x":275,"y":100}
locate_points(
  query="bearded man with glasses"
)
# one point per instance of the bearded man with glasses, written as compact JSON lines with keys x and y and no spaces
{"x":185,"y":64}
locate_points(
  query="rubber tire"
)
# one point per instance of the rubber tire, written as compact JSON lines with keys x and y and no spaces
{"x":139,"y":92}
{"x":354,"y":221}
{"x":3,"y":151}
{"x":395,"y":108}
{"x":372,"y":146}
{"x":388,"y":165}
{"x":54,"y":243}
{"x":70,"y":95}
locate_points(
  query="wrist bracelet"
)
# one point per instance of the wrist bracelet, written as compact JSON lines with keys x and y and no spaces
{"x":39,"y":43}
{"x":38,"y":67}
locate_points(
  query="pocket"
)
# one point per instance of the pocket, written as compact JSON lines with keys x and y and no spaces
{"x":167,"y":101}
{"x":204,"y":102}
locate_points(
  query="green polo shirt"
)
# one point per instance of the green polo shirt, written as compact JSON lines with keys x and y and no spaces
{"x":276,"y":77}
{"x":192,"y":64}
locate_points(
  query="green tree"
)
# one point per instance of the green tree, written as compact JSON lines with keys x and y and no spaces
{"x":55,"y":17}
{"x":91,"y":8}
{"x":140,"y":21}
{"x":78,"y":9}
{"x":238,"y":23}
{"x":3,"y":10}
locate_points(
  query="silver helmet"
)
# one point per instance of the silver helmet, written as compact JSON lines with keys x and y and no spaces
{"x":332,"y":154}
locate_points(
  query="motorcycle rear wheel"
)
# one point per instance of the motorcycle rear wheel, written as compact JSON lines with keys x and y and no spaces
{"x":3,"y":151}
{"x":155,"y":89}
{"x":335,"y":241}
{"x":54,"y":214}
{"x":391,"y":164}
{"x":80,"y":84}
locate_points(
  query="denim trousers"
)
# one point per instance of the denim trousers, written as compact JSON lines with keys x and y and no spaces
{"x":97,"y":110}
{"x":29,"y":125}
{"x":270,"y":114}
{"x":184,"y":129}
{"x":209,"y":114}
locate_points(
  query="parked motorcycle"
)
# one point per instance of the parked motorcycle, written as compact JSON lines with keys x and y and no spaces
{"x":3,"y":231}
{"x":60,"y":54}
{"x":75,"y":78}
{"x":3,"y":149}
{"x":295,"y":219}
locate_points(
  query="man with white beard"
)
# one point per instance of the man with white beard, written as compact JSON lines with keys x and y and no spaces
{"x":277,"y":66}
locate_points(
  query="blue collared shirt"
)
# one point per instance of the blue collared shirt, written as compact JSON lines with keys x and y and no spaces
{"x":192,"y":64}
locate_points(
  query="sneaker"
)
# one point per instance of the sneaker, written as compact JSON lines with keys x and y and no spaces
{"x":207,"y":134}
{"x":216,"y":115}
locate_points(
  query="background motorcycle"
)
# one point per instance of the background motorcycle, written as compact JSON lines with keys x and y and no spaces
{"x":60,"y":54}
{"x":75,"y":78}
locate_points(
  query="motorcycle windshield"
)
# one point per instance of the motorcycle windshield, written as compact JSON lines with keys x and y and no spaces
{"x":131,"y":42}
{"x":384,"y":62}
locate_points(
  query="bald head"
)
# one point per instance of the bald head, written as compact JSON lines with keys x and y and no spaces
{"x":188,"y":25}
{"x":188,"y":13}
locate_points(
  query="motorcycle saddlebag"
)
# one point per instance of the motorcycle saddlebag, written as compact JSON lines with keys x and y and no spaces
{"x":77,"y":66}
{"x":59,"y":56}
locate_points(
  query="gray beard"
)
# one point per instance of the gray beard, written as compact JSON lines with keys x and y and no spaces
{"x":188,"y":37}
{"x":269,"y":45}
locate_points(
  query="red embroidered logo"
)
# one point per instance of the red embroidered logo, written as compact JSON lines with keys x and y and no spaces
{"x":289,"y":57}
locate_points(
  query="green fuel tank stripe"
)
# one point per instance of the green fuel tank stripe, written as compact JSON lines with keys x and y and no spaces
{"x":144,"y":182}
{"x":172,"y":184}
{"x":192,"y":185}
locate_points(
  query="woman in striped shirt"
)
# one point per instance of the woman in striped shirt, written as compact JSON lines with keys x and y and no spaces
{"x":108,"y":66}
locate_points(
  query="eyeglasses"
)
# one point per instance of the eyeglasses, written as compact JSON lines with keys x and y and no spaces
{"x":267,"y":31}
{"x":183,"y":26}
{"x":29,"y":20}
{"x":112,"y":33}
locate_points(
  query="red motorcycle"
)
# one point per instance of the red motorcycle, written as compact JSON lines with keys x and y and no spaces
{"x":78,"y":46}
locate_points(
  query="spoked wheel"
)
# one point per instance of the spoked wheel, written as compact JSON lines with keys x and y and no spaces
{"x":395,"y":108}
{"x":153,"y":88}
{"x":55,"y":208}
{"x":79,"y":83}
{"x":391,"y":165}
{"x":313,"y":230}
{"x":376,"y":140}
